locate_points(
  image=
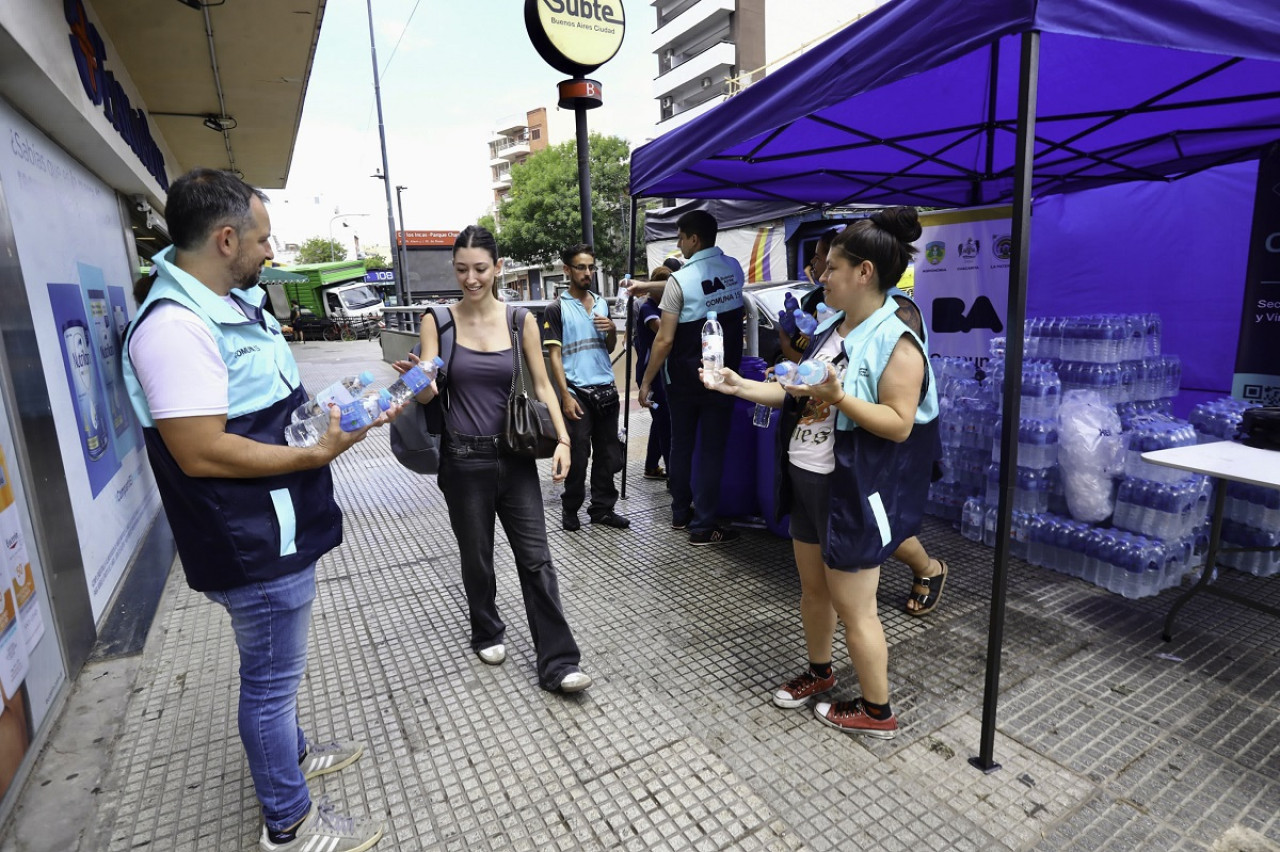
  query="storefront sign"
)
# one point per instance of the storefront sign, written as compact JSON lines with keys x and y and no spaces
{"x":427,"y":238}
{"x":575,"y":36}
{"x":105,"y":91}
{"x":1257,"y":374}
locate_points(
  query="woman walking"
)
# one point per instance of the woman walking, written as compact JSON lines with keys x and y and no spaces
{"x":480,"y":482}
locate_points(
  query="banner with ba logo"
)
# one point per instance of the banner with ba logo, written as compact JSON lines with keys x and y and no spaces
{"x":962,"y":279}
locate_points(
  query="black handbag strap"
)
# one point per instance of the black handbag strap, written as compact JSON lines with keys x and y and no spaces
{"x":516,"y":316}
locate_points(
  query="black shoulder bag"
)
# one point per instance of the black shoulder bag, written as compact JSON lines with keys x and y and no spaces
{"x":528,"y":429}
{"x":415,"y":434}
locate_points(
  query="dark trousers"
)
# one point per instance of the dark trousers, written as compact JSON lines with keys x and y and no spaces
{"x":660,"y":432}
{"x":697,"y":413}
{"x":479,"y":484}
{"x":595,"y":433}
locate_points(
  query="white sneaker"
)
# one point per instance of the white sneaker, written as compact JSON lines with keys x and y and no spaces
{"x":494,"y":655}
{"x":326,"y":829}
{"x":574,"y":682}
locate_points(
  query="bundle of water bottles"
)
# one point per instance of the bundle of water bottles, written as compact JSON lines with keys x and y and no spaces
{"x":358,"y":406}
{"x":1251,"y":513}
{"x":1116,"y":355}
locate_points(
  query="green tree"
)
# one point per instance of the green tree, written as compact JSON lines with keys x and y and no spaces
{"x":541,"y":216}
{"x":321,"y":250}
{"x":373,"y":260}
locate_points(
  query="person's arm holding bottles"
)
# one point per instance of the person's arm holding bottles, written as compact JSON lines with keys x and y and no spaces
{"x":899,"y":392}
{"x":771,"y":394}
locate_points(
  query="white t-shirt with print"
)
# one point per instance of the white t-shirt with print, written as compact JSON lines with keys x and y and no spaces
{"x":812,"y":445}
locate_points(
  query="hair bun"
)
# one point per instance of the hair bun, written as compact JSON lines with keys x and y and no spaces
{"x":902,"y":222}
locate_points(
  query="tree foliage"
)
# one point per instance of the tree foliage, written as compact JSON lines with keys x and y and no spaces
{"x":541,"y":216}
{"x":321,"y":250}
{"x":373,"y":260}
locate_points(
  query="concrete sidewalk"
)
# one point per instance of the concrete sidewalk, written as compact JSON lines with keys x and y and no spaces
{"x":1109,"y":738}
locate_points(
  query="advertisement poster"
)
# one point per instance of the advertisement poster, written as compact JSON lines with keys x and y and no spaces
{"x":71,"y":251}
{"x":961,"y":279}
{"x":16,"y":566}
{"x":1257,"y":373}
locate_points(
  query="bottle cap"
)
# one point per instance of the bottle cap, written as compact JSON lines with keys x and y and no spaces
{"x":711,"y":315}
{"x":365,"y":377}
{"x":438,"y":361}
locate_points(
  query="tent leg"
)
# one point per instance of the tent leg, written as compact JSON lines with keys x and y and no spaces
{"x":626,"y":379}
{"x":1028,"y":74}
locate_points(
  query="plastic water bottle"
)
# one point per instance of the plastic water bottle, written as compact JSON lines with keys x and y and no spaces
{"x":811,"y":372}
{"x":340,"y":392}
{"x":620,"y":301}
{"x":787,"y":373}
{"x":712,"y":350}
{"x":414,"y":380}
{"x":804,"y":321}
{"x":824,"y":312}
{"x":352,"y":416}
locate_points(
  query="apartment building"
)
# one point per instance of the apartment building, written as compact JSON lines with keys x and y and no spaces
{"x":513,"y":142}
{"x":708,"y":49}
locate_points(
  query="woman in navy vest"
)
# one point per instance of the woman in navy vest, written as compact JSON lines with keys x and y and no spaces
{"x":856,"y":452}
{"x":479,"y":481}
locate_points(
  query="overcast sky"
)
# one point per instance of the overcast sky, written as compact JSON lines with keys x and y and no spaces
{"x":458,"y":70}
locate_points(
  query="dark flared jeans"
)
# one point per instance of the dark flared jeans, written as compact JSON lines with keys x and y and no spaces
{"x":480,"y":483}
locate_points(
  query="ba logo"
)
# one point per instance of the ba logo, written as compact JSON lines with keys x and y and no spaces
{"x":709,"y":287}
{"x":934,"y":252}
{"x":1002,"y":248}
{"x":968,"y":249}
{"x":949,"y":315}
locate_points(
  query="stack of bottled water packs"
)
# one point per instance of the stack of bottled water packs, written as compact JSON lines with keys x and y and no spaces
{"x":1096,"y":394}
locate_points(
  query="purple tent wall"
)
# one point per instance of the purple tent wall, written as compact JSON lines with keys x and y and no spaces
{"x":1177,"y":248}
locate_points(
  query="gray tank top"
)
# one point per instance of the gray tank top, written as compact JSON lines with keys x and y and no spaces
{"x":479,"y":386}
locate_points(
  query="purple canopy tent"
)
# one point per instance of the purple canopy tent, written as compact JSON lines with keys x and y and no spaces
{"x":953,"y":103}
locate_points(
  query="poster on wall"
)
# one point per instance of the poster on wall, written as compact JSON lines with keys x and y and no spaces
{"x":961,"y":279}
{"x":71,"y":250}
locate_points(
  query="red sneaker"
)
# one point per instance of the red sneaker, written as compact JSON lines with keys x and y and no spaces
{"x":797,"y":691}
{"x":852,"y":718}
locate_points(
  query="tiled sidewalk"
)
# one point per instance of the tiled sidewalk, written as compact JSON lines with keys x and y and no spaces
{"x":1108,"y":737}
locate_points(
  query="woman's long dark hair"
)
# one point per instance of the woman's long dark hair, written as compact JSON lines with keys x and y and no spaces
{"x":885,"y":239}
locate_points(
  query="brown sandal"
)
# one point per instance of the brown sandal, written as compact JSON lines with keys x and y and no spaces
{"x":927,"y":602}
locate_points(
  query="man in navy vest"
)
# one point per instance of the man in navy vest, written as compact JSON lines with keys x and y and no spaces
{"x":710,"y":280}
{"x":579,"y":336}
{"x":213,"y":383}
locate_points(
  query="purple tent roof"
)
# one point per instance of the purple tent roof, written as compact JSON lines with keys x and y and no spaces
{"x":917,"y":104}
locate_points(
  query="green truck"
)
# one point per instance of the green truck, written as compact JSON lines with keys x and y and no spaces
{"x":336,"y":301}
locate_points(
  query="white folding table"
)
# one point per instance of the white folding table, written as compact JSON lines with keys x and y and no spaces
{"x":1224,"y":461}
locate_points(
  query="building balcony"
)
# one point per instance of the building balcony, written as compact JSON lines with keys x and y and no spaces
{"x":501,"y":182}
{"x":677,"y":20}
{"x":672,"y":122}
{"x":713,"y":64}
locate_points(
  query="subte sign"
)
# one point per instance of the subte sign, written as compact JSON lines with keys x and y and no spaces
{"x":575,"y":36}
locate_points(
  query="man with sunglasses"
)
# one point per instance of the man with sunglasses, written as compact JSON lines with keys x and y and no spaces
{"x":579,"y":336}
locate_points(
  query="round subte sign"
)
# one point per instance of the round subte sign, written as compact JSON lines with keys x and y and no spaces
{"x":575,"y":36}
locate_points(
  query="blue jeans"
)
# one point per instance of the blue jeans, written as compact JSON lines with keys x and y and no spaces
{"x":697,"y":413}
{"x":479,"y":485}
{"x":271,"y":621}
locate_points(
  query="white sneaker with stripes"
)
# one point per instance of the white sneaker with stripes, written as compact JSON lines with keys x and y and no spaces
{"x":323,"y":758}
{"x":325,"y":830}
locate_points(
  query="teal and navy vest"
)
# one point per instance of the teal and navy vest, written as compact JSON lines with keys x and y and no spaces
{"x":582,"y":348}
{"x":232,"y":532}
{"x":710,"y":281}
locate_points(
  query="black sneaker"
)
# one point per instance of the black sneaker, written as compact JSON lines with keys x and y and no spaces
{"x":715,"y":535}
{"x":570,"y":523}
{"x":612,"y":519}
{"x":656,"y":473}
{"x":680,"y":523}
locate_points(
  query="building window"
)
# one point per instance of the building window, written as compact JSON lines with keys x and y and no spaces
{"x":535,"y":133}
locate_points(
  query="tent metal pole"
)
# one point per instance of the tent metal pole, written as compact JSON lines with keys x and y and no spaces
{"x":1028,"y":77}
{"x":628,"y":342}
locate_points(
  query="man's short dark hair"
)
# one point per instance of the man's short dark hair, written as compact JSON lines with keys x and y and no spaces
{"x":574,"y":250}
{"x":673,"y":263}
{"x":700,"y":224}
{"x":205,"y":199}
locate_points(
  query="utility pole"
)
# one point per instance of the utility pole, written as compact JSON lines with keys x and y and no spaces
{"x":402,"y":250}
{"x":386,"y":170}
